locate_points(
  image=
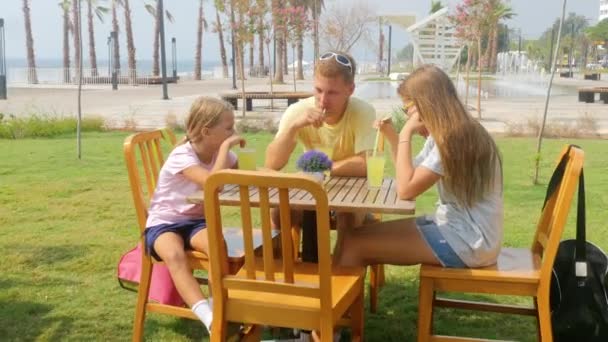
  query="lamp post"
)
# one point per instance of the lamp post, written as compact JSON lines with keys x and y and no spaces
{"x":112,"y":60}
{"x":174,"y":57}
{"x":163,"y":58}
{"x":2,"y":62}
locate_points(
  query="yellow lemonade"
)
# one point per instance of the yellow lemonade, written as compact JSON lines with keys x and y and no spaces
{"x":246,"y":158}
{"x":375,"y":170}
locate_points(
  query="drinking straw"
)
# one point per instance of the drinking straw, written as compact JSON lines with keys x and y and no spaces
{"x":383,"y":120}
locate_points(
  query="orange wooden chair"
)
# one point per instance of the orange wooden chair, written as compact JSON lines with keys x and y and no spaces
{"x":280,"y":292}
{"x":518,"y":272}
{"x":143,"y":175}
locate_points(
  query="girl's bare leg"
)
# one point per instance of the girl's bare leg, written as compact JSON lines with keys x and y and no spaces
{"x":170,"y":247}
{"x":391,"y":242}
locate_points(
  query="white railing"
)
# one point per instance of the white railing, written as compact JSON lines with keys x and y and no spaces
{"x":61,"y":76}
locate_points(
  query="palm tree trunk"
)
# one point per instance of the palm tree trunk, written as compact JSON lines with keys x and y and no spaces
{"x":479,"y":79}
{"x":156,"y":44}
{"x":278,"y":36}
{"x":468,"y":69}
{"x":115,"y":28}
{"x":76,"y":36}
{"x":315,"y":28}
{"x":199,"y":43}
{"x":261,"y":46}
{"x":220,"y":34}
{"x":130,"y":43}
{"x":494,"y":50}
{"x":32,"y":76}
{"x":241,"y":66}
{"x":270,"y":77}
{"x":300,"y":43}
{"x":66,"y":43}
{"x":488,"y":52}
{"x":284,"y":51}
{"x":251,"y":50}
{"x":92,"y":54}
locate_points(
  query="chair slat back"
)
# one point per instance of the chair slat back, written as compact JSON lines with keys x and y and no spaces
{"x":555,"y":213}
{"x":273,"y":191}
{"x":144,"y":156}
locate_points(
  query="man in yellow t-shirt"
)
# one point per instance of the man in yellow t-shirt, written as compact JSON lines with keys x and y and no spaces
{"x":333,"y":121}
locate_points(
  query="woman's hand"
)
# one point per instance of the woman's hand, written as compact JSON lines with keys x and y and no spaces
{"x":413,"y":125}
{"x":385,"y":126}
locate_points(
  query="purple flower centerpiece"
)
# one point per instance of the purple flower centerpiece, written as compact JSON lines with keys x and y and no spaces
{"x":314,"y":162}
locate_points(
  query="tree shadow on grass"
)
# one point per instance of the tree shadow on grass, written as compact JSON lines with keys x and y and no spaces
{"x":28,"y":321}
{"x":36,"y":256}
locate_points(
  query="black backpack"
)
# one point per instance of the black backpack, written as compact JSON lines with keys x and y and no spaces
{"x":579,"y":301}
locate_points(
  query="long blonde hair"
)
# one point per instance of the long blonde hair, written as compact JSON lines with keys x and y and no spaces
{"x":204,"y":112}
{"x":468,"y":153}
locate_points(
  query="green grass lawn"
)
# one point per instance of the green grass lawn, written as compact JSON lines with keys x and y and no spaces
{"x":65,"y":222}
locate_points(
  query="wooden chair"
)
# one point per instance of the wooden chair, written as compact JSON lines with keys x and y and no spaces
{"x":143,"y":175}
{"x":280,"y":292}
{"x":518,"y":272}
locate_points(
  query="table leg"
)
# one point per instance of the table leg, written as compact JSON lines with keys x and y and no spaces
{"x":309,"y":237}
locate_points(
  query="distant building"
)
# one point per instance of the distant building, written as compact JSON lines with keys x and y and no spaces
{"x":603,"y":9}
{"x":435,"y":41}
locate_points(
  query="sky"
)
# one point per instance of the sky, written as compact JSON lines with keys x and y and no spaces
{"x":533,"y":17}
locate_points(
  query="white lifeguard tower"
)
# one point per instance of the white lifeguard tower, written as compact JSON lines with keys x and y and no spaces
{"x":435,"y":41}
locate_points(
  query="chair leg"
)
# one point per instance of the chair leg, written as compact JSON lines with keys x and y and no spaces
{"x":374,"y":282}
{"x":219,"y":329}
{"x":357,"y":318}
{"x":537,"y":319}
{"x":142,"y":297}
{"x":425,"y":309}
{"x":544,"y":317}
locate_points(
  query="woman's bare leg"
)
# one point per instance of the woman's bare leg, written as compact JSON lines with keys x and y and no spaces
{"x":390,"y":242}
{"x":170,"y":247}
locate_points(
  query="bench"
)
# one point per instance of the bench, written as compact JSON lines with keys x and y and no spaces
{"x":291,"y":96}
{"x":593,"y":76}
{"x":587,"y":94}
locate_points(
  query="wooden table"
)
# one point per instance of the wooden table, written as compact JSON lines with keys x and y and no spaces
{"x":345,"y":194}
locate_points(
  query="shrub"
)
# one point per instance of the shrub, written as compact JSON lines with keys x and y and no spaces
{"x":38,"y":126}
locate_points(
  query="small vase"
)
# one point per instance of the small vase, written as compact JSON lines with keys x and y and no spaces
{"x":319,"y":176}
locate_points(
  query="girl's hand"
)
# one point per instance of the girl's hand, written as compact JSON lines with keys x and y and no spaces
{"x":384,"y":125}
{"x":413,"y":124}
{"x":234,"y":140}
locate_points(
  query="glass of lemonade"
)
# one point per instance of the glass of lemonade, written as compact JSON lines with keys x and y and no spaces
{"x":375,"y":169}
{"x":246,"y":158}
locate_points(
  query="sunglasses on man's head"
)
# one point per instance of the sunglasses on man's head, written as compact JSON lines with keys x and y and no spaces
{"x":343,"y":60}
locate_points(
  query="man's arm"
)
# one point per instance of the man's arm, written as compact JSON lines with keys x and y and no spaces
{"x":279,"y":150}
{"x":354,"y":166}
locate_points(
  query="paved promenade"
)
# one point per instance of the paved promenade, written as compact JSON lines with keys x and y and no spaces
{"x":143,"y":107}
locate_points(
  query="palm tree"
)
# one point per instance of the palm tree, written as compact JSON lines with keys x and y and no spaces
{"x":65,"y":8}
{"x":201,"y":24}
{"x":154,"y":12}
{"x":220,"y":7}
{"x":99,"y":12}
{"x":130,"y":43}
{"x":498,"y":12}
{"x":115,"y":28}
{"x":315,"y":7}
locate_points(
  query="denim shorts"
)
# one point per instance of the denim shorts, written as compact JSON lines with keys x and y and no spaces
{"x":440,"y":247}
{"x":185,"y":229}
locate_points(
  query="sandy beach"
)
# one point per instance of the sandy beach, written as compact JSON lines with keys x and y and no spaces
{"x":143,"y":107}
